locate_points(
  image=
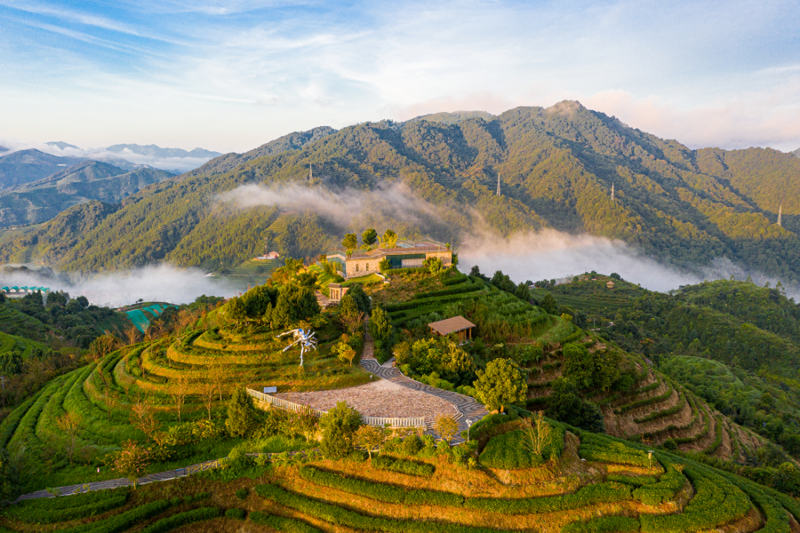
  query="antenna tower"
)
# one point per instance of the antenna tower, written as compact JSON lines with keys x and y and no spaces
{"x":612,"y":192}
{"x":498,"y":185}
{"x":780,"y":214}
{"x":310,"y":172}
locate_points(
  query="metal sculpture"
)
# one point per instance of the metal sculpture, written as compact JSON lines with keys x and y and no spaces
{"x":304,"y":338}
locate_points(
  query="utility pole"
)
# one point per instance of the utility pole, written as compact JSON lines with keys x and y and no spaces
{"x":780,"y":215}
{"x":498,"y":185}
{"x":310,"y":172}
{"x":612,"y":192}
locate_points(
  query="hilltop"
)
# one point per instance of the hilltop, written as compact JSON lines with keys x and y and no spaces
{"x":556,"y":167}
{"x":25,"y":166}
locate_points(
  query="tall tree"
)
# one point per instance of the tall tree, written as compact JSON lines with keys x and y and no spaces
{"x":350,"y":243}
{"x":369,"y":236}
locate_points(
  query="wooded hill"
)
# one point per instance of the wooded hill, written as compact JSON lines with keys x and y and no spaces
{"x":556,"y":165}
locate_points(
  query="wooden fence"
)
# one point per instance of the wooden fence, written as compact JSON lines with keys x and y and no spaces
{"x":418,"y":422}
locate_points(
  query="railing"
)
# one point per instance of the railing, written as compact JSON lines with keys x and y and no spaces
{"x":418,"y":422}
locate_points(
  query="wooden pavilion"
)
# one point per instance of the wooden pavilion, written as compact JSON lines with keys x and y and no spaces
{"x":456,"y":324}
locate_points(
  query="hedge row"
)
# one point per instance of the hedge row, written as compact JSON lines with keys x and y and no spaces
{"x":380,"y":491}
{"x":595,"y":448}
{"x":10,"y":423}
{"x":645,"y":401}
{"x":706,"y":427}
{"x":339,"y":516}
{"x":636,"y":481}
{"x":508,"y":450}
{"x":280,"y":523}
{"x":665,"y":490}
{"x":588,"y":495}
{"x":402,"y":466}
{"x":181,"y":519}
{"x":604,"y":524}
{"x":717,"y":438}
{"x":49,"y":516}
{"x":122,"y":521}
{"x":65,"y":502}
{"x":458,"y":289}
{"x":677,"y":408}
{"x":456,"y":280}
{"x":671,"y":427}
{"x":716,"y":502}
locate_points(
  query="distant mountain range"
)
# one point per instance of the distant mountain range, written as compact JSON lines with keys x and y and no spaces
{"x":556,"y":165}
{"x":156,"y":151}
{"x":3,"y":149}
{"x":44,"y":199}
{"x":26,"y":166}
{"x":61,"y":145}
{"x":797,"y":152}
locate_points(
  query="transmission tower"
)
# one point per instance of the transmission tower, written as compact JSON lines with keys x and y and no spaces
{"x":780,"y":215}
{"x":498,"y":185}
{"x":612,"y":192}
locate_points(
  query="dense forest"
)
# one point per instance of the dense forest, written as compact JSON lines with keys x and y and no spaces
{"x":556,"y":167}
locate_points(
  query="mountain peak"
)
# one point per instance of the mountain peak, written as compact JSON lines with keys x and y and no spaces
{"x":61,"y":145}
{"x":156,"y":151}
{"x":566,"y":107}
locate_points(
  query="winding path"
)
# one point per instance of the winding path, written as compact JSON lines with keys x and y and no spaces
{"x":468,"y":408}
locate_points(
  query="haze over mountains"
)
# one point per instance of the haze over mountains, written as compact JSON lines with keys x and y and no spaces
{"x":437,"y":176}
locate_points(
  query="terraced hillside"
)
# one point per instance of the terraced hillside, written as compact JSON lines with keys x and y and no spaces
{"x":20,"y":345}
{"x":579,"y":482}
{"x":203,"y":366}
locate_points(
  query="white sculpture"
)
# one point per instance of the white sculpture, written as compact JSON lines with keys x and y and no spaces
{"x":306,"y":340}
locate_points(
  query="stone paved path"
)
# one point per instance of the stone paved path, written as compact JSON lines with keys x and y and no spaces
{"x":468,"y":408}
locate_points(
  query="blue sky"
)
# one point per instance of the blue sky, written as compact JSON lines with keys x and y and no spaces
{"x":229,"y":76}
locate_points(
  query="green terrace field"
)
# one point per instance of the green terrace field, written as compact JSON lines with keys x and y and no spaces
{"x":586,"y":483}
{"x":103,"y":396}
{"x":12,"y":343}
{"x":15,"y":322}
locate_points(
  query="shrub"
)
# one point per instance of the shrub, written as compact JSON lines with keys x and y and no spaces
{"x":596,"y":448}
{"x":508,"y":451}
{"x":242,"y":494}
{"x":588,"y":495}
{"x":242,"y":414}
{"x":376,"y":491}
{"x":411,"y":468}
{"x":501,"y":384}
{"x":44,"y":514}
{"x":280,"y":523}
{"x":604,"y":524}
{"x":664,"y":490}
{"x":340,"y":516}
{"x":236,"y":514}
{"x":177,"y":520}
{"x":122,"y":521}
{"x":411,"y":445}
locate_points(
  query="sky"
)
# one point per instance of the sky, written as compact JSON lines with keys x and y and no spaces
{"x":232,"y":75}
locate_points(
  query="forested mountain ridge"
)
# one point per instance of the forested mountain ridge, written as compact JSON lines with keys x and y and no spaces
{"x":25,"y":166}
{"x":556,"y":165}
{"x":42,"y":200}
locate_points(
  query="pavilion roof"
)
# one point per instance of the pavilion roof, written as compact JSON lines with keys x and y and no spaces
{"x":451,"y":325}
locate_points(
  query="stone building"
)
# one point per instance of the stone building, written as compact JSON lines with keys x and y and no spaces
{"x":408,"y":256}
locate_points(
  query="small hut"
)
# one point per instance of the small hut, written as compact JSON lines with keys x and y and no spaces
{"x":457,"y":324}
{"x":610,"y":285}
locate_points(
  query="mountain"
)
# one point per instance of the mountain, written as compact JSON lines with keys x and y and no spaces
{"x":557,"y":166}
{"x":61,"y":145}
{"x":796,"y":152}
{"x":3,"y":149}
{"x":156,"y":151}
{"x":453,"y":118}
{"x":25,"y":166}
{"x":42,"y":200}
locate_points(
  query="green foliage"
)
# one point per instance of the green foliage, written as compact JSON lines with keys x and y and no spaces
{"x":283,"y":524}
{"x":47,"y":510}
{"x":376,"y":491}
{"x":242,"y":414}
{"x":596,"y":448}
{"x":187,"y":517}
{"x":508,"y":451}
{"x":338,"y":428}
{"x":369,"y":237}
{"x":588,"y":495}
{"x":502,"y":383}
{"x":411,"y":468}
{"x":437,"y":355}
{"x":664,"y":490}
{"x":236,"y":514}
{"x":604,"y":524}
{"x":566,"y":405}
{"x":293,"y":304}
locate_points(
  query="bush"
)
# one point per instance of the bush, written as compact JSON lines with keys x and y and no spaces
{"x":236,"y":514}
{"x":122,"y":521}
{"x":411,"y":468}
{"x":596,"y":448}
{"x":44,"y":514}
{"x":338,"y":428}
{"x":242,"y":494}
{"x":177,"y":520}
{"x":411,"y":445}
{"x":588,"y":495}
{"x":508,"y":451}
{"x":604,"y":524}
{"x":664,"y":490}
{"x":376,"y":491}
{"x":280,"y":523}
{"x":340,"y":516}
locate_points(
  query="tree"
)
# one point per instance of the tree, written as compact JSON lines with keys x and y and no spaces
{"x":178,"y":390}
{"x":370,"y":438}
{"x":69,"y":423}
{"x":339,"y":426}
{"x":7,"y":474}
{"x":295,"y":303}
{"x":502,"y":383}
{"x":379,"y":325}
{"x":350,"y":243}
{"x":356,"y":292}
{"x":567,"y":406}
{"x":236,"y":311}
{"x":549,"y":304}
{"x":242,"y":414}
{"x":446,"y":426}
{"x":345,"y":353}
{"x":218,"y":375}
{"x":103,"y":345}
{"x":132,"y":461}
{"x":389,"y":239}
{"x":538,"y":434}
{"x":10,"y":363}
{"x":369,"y":236}
{"x":350,"y":316}
{"x":143,"y":418}
{"x":208,"y":394}
{"x":131,"y":335}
